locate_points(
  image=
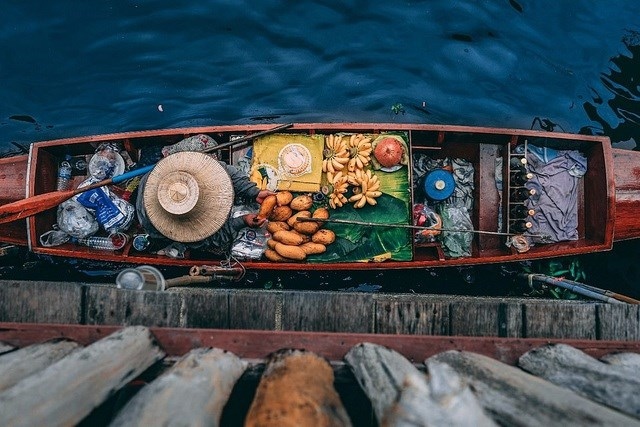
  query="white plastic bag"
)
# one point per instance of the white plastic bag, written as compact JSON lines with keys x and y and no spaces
{"x":75,"y":220}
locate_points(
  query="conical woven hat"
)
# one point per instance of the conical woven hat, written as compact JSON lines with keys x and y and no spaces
{"x":188,"y":196}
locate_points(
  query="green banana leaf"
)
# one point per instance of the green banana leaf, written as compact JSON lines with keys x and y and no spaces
{"x":362,"y":243}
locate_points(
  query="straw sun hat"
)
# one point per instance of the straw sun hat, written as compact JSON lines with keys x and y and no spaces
{"x":188,"y":196}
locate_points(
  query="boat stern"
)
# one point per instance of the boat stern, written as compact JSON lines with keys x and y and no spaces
{"x":626,"y":166}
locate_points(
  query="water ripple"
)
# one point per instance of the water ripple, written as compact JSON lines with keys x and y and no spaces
{"x":80,"y":68}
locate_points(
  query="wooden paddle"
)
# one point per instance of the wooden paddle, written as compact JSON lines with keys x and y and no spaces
{"x":42,"y":202}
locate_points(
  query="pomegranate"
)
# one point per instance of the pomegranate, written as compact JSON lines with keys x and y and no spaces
{"x":388,"y":152}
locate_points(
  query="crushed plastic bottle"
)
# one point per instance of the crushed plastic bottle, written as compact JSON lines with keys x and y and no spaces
{"x":106,"y":162}
{"x":54,"y":238}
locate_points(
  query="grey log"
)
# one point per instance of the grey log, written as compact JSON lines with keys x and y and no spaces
{"x":516,"y":398}
{"x":5,"y":348}
{"x":66,"y":392}
{"x":628,"y":360}
{"x":445,"y":400}
{"x":380,"y":373}
{"x":26,"y":361}
{"x":571,"y":368}
{"x":192,"y":393}
{"x":296,"y":389}
{"x":401,"y":395}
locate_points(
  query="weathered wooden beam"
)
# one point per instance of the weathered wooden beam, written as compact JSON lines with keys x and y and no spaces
{"x":516,"y":398}
{"x":26,"y":361}
{"x":571,"y":368}
{"x":253,"y":344}
{"x":296,"y":389}
{"x":193,"y":392}
{"x":401,"y":395}
{"x":40,"y":301}
{"x":406,"y":314}
{"x":560,"y":320}
{"x":111,"y":306}
{"x":618,"y":321}
{"x":65,"y":392}
{"x":448,"y":401}
{"x":327,"y":311}
{"x":487,"y":319}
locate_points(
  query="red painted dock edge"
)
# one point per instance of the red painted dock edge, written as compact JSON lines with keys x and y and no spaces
{"x":255,"y":344}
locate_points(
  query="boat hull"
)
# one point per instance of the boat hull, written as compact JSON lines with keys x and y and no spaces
{"x":608,"y":196}
{"x":627,"y":184}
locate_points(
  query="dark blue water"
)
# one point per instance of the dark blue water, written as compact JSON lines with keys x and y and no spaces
{"x":71,"y":68}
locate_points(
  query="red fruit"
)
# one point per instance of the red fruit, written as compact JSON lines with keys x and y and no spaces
{"x":388,"y":152}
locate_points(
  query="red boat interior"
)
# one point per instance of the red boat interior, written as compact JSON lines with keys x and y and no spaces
{"x":480,"y":146}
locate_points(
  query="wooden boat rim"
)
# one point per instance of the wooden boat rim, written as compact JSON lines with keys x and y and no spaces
{"x":374,"y":126}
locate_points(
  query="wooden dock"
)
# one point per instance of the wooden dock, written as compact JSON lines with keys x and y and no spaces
{"x":88,"y":354}
{"x":415,"y":314}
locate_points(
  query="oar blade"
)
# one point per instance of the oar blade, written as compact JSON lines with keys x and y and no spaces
{"x":24,"y":208}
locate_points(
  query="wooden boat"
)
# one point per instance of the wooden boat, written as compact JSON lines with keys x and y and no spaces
{"x":607,"y":196}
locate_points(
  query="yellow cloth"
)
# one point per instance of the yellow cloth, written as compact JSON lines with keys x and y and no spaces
{"x":290,"y":162}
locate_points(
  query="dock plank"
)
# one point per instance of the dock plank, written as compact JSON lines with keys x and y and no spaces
{"x":204,"y":308}
{"x":486,"y":319}
{"x":111,"y":306}
{"x":415,"y":314}
{"x":6,"y":348}
{"x":258,"y":310}
{"x":407,"y":314}
{"x":627,"y":360}
{"x":328,"y":312}
{"x":402,"y":395}
{"x":40,"y":302}
{"x":297,"y":389}
{"x":619,"y":322}
{"x":561,"y":320}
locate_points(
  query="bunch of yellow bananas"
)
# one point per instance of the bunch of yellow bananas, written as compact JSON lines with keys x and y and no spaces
{"x":355,"y":154}
{"x":359,"y":151}
{"x":340,"y":185}
{"x":335,"y":155}
{"x":367,"y":188}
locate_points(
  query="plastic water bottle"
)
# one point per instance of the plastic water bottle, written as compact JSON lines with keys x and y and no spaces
{"x":64,"y":174}
{"x":112,"y":242}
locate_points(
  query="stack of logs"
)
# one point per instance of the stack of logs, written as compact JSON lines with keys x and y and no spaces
{"x":61,"y":382}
